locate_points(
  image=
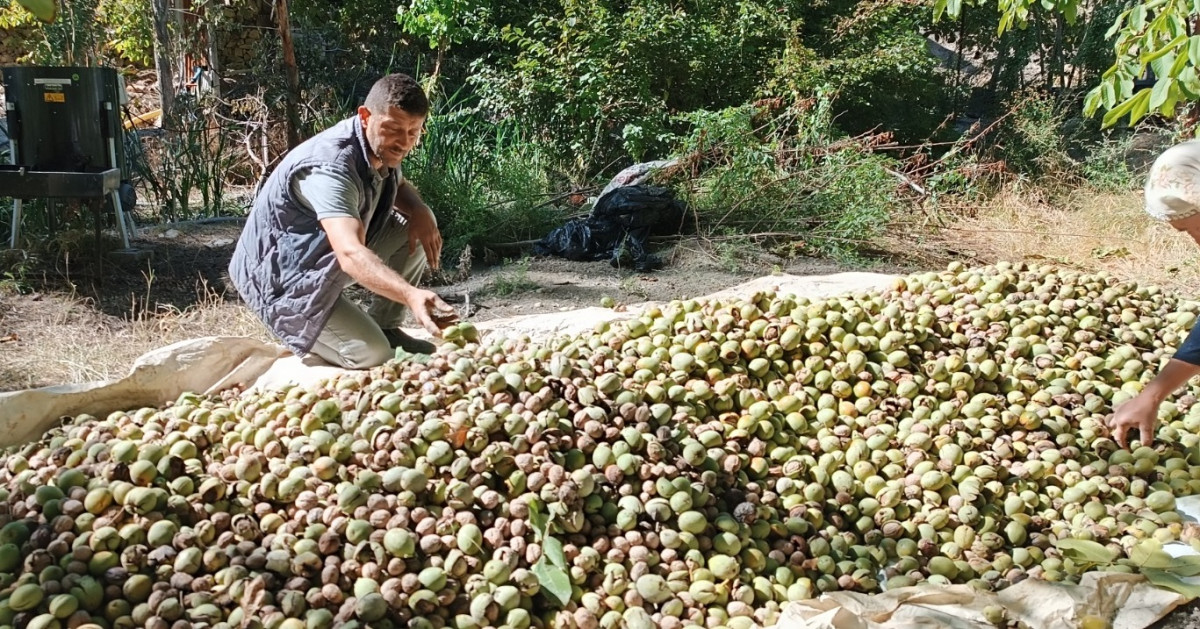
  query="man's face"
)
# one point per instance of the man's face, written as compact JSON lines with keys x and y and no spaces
{"x":393,"y":134}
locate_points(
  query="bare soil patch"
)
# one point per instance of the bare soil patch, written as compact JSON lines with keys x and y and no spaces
{"x":539,"y":285}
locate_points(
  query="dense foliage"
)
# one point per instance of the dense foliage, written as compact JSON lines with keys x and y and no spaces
{"x":829,"y":100}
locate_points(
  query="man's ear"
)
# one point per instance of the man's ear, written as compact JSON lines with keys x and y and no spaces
{"x":363,"y":113}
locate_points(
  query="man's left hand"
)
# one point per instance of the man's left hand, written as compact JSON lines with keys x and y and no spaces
{"x":422,"y":228}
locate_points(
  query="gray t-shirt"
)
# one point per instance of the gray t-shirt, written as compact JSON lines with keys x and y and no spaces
{"x":331,"y":194}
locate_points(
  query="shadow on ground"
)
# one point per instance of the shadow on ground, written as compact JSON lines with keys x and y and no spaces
{"x":165,"y":270}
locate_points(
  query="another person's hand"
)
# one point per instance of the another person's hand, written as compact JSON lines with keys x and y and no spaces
{"x":428,"y":309}
{"x":422,"y":228}
{"x":1141,"y":414}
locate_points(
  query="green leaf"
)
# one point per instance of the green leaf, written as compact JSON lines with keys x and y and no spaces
{"x":1194,"y":49}
{"x":1148,"y":554}
{"x":1005,"y":23}
{"x":1176,"y":26}
{"x":1118,"y":24}
{"x":1172,"y":582}
{"x":1071,"y":12}
{"x":1174,"y":95}
{"x":1161,"y":90}
{"x":1181,"y":62}
{"x":1189,"y":83}
{"x":1108,"y":95}
{"x":553,"y":548}
{"x":954,"y":7}
{"x":1137,"y":19}
{"x":1086,"y":551}
{"x":1141,"y":105}
{"x":1092,"y":102}
{"x":553,"y":581}
{"x":1162,"y":65}
{"x":45,"y":10}
{"x":539,"y":520}
{"x":1114,"y":114}
{"x":939,"y":7}
{"x":1168,"y":48}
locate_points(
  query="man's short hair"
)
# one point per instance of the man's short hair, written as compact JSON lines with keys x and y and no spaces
{"x":398,"y":90}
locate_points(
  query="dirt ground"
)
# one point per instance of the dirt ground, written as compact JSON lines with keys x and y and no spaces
{"x":1184,"y":617}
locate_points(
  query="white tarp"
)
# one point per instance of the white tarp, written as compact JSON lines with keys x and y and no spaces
{"x":1124,"y":601}
{"x":211,"y":364}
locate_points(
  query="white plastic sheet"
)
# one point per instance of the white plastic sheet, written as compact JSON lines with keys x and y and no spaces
{"x":1126,"y":601}
{"x":204,"y":365}
{"x":212,"y":364}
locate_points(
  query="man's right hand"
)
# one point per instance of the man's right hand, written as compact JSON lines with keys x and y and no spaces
{"x":1140,"y":413}
{"x":424,"y":304}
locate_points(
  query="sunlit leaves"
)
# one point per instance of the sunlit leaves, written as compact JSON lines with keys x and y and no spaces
{"x":1151,"y":40}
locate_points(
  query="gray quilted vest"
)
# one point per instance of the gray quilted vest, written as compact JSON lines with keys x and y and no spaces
{"x":283,"y":266}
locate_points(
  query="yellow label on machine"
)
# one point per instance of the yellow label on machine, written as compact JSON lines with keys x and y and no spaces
{"x":55,"y":97}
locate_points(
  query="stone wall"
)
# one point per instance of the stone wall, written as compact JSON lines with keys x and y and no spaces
{"x":244,"y":28}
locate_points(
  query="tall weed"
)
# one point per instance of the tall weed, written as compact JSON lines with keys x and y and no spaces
{"x":790,"y":176}
{"x":187,"y":166}
{"x":482,"y":178}
{"x":1043,"y":140}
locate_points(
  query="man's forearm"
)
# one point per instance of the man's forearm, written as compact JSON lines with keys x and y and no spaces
{"x":372,"y":273}
{"x":1170,"y":379}
{"x":1182,"y":367}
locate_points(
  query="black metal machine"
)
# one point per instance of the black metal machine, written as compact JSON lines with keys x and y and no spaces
{"x":65,"y":132}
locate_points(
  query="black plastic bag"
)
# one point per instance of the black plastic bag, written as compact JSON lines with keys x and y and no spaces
{"x":619,"y":228}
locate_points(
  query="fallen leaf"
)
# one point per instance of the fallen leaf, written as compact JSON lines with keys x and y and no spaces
{"x":1172,"y":582}
{"x":1085,"y":551}
{"x":1101,"y":253}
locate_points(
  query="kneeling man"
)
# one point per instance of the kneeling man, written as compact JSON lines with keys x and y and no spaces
{"x":338,"y":211}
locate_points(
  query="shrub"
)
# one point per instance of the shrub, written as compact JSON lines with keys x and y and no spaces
{"x":483,"y":179}
{"x":791,"y":176}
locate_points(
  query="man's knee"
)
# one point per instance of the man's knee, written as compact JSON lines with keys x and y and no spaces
{"x":369,"y":356}
{"x":357,"y":355}
{"x":410,"y":266}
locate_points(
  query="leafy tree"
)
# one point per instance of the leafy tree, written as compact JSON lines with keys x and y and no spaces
{"x":1154,"y":39}
{"x":442,"y":23}
{"x":603,"y":78}
{"x":129,"y":29}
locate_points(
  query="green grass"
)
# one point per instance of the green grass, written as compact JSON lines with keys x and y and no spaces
{"x":507,"y":284}
{"x":782,"y":178}
{"x":484,"y":180}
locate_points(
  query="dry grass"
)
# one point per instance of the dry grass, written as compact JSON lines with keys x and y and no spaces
{"x":1082,"y":229}
{"x":62,"y":339}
